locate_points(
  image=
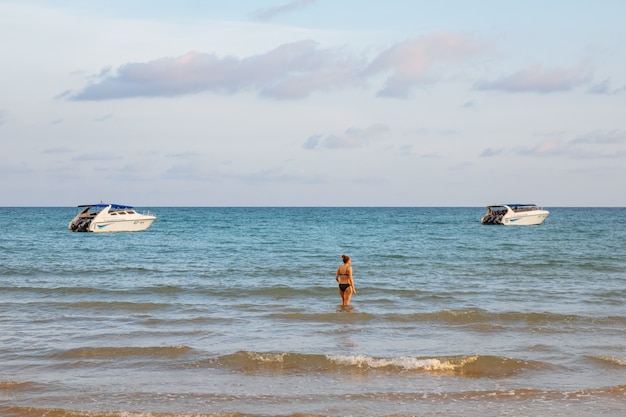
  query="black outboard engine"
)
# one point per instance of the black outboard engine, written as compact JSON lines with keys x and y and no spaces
{"x":81,"y":225}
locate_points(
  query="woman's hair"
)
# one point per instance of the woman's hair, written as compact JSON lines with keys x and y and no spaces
{"x":345,"y":258}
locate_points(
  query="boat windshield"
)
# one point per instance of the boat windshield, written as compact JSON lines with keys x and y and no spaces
{"x":497,"y":209}
{"x":523,"y":207}
{"x":515,"y":207}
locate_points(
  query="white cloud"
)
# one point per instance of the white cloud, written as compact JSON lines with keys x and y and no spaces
{"x":423,"y":60}
{"x":14,"y":167}
{"x":272,"y":12}
{"x":290,"y":71}
{"x":489,"y":152}
{"x":602,"y":137}
{"x":57,"y":150}
{"x":351,"y":138}
{"x":593,"y":145}
{"x":540,"y":80}
{"x":96,"y":156}
{"x":601,"y":88}
{"x":191,"y":172}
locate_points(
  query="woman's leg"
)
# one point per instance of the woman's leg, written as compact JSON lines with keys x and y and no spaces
{"x":347,"y":295}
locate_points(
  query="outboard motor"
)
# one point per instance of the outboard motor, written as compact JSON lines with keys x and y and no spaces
{"x":81,"y":225}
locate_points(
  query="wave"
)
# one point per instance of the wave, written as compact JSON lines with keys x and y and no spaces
{"x":153,"y":352}
{"x":16,"y":385}
{"x":67,"y":269}
{"x":52,"y":291}
{"x":488,"y":320}
{"x":61,"y":412}
{"x":469,"y":366}
{"x":472,"y":316}
{"x":602,"y":401}
{"x":179,"y":357}
{"x":353,"y":317}
{"x":85,"y":290}
{"x":618,"y":361}
{"x":118,"y":305}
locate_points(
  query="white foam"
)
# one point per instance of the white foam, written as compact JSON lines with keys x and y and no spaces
{"x":267,"y":357}
{"x":408,"y":363}
{"x":613,"y":359}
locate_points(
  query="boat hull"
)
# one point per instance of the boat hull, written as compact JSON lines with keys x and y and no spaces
{"x":104,"y":218}
{"x":515,"y":215}
{"x":136,"y":225}
{"x":529,"y":219}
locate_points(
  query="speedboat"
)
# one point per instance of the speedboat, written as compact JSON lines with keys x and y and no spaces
{"x":110,"y":218}
{"x":514,"y":214}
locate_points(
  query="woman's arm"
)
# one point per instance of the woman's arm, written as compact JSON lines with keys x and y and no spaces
{"x":351,"y":280}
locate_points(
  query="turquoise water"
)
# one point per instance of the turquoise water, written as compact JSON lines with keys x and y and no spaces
{"x":235,"y":311}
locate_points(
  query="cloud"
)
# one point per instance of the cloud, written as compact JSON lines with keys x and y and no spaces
{"x":64,"y":94}
{"x":613,"y":137}
{"x":136,"y":171}
{"x":291,"y":71}
{"x":195,"y":171}
{"x":104,"y":117}
{"x":184,"y":155}
{"x":272,"y":12}
{"x":601,"y":88}
{"x":14,"y":168}
{"x":469,"y":105}
{"x":414,"y":150}
{"x":268,"y":175}
{"x":279,"y":175}
{"x":351,"y":138}
{"x":489,"y":152}
{"x":540,"y":80}
{"x":96,"y":156}
{"x":421,"y":61}
{"x":593,"y":145}
{"x":57,"y":150}
{"x":3,"y":115}
{"x":312,"y":142}
{"x":604,"y":87}
{"x":549,"y":147}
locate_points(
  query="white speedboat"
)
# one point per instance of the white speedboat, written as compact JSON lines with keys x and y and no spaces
{"x":110,"y":218}
{"x":514,"y":214}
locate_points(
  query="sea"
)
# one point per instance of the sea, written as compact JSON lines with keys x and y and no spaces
{"x":234,"y":311}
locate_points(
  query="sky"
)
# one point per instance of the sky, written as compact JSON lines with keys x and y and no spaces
{"x":313,"y":103}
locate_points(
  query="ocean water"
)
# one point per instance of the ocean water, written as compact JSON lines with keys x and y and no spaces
{"x":235,"y":312}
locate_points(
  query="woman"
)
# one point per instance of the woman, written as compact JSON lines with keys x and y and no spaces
{"x":344,"y":277}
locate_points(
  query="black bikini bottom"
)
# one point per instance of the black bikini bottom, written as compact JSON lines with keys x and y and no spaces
{"x":344,"y":287}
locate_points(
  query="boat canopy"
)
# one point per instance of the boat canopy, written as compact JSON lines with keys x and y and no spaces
{"x":113,"y":206}
{"x":522,"y":205}
{"x":513,"y":205}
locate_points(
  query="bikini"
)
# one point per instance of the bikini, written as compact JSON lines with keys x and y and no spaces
{"x":344,"y":287}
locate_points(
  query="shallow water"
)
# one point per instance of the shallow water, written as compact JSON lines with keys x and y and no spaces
{"x":235,"y":311}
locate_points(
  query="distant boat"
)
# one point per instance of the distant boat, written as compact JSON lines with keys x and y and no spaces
{"x":514,"y":214}
{"x":110,"y":218}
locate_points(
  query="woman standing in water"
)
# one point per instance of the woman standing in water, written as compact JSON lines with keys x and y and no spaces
{"x":346,"y":284}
